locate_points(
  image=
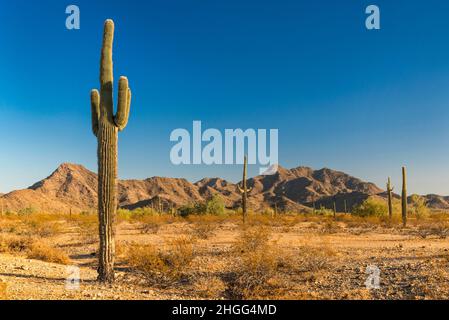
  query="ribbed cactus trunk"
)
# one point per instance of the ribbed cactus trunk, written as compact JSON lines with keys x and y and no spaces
{"x":404,"y":197}
{"x":390,"y":199}
{"x":105,"y":127}
{"x":244,"y":190}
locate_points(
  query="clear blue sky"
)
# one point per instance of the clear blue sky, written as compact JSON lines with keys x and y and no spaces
{"x":364,"y":102}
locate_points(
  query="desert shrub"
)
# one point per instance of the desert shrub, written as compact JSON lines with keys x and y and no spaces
{"x":371,"y":207}
{"x":322,"y":211}
{"x":41,"y":251}
{"x":251,"y":279}
{"x":191,"y":209}
{"x":209,"y":287}
{"x":150,"y":224}
{"x":27,"y":211}
{"x":330,"y":226}
{"x":87,"y":223}
{"x":124,"y":215}
{"x":204,"y":229}
{"x":255,"y":265}
{"x":313,"y":258}
{"x":161,"y":266}
{"x":439,"y":229}
{"x":143,"y":212}
{"x":418,"y":207}
{"x":41,"y":229}
{"x":15,"y":244}
{"x":252,"y":239}
{"x":215,"y":206}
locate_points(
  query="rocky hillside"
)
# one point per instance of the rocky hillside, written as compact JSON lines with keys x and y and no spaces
{"x":73,"y":187}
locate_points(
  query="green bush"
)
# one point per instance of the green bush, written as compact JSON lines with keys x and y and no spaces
{"x":324,"y":212}
{"x":214,"y":206}
{"x":371,"y":207}
{"x":418,"y":206}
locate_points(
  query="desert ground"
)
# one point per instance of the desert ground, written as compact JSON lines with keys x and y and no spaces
{"x":217,"y":257}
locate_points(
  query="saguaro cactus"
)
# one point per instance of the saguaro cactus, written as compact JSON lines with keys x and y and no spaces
{"x":335,"y":209}
{"x":390,"y":200}
{"x":404,"y":197}
{"x":244,"y":190}
{"x":105,"y":126}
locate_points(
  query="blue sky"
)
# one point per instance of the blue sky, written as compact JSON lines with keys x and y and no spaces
{"x":364,"y":102}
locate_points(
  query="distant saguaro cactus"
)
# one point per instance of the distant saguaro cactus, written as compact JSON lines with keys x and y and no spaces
{"x":105,"y":126}
{"x":404,"y":197}
{"x":390,"y":200}
{"x":335,"y":210}
{"x":244,"y":190}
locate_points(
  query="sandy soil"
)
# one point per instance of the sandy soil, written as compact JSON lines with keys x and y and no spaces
{"x":410,"y":267}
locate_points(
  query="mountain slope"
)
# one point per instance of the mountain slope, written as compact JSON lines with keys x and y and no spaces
{"x":73,"y":187}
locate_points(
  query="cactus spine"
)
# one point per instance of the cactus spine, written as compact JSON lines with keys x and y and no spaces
{"x":404,"y":197}
{"x":105,"y":127}
{"x":244,"y":190}
{"x":390,"y":200}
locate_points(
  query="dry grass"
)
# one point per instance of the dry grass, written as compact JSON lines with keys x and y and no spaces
{"x":14,"y":244}
{"x":40,"y":225}
{"x":162,"y":265}
{"x":436,"y":229}
{"x":257,"y":262}
{"x":203,"y":230}
{"x":283,"y":257}
{"x":44,"y":252}
{"x":3,"y":291}
{"x":210,"y":287}
{"x":32,"y":248}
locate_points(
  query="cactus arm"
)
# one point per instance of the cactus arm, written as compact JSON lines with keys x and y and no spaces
{"x":106,"y":73}
{"x":124,"y":97}
{"x":106,"y":68}
{"x":249,"y":189}
{"x":240,"y":189}
{"x":95,"y":106}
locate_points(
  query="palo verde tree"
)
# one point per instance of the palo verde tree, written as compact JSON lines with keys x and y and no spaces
{"x":244,"y":190}
{"x":106,"y":126}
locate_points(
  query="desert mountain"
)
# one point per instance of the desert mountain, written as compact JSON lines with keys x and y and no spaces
{"x":73,"y":187}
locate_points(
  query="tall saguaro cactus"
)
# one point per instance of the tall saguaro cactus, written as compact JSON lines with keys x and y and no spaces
{"x":244,"y":190}
{"x":390,"y":200}
{"x":404,"y":197}
{"x":105,"y":126}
